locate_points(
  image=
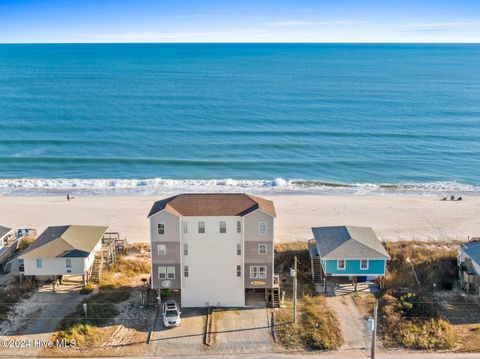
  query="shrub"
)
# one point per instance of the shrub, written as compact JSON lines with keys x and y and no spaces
{"x":408,"y":322}
{"x":25,"y":243}
{"x":317,"y":327}
{"x":425,"y":334}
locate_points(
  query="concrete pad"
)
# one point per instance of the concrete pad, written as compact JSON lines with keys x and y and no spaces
{"x":243,"y":330}
{"x":187,"y":339}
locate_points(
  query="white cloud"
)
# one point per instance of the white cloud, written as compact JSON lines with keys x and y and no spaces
{"x":440,"y":26}
{"x":149,"y":36}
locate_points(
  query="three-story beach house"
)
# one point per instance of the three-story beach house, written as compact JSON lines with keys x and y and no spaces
{"x":213,"y":248}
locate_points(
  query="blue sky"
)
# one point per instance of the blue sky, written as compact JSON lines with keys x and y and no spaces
{"x":239,"y":21}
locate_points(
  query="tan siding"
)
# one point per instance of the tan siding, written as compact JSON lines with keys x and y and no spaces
{"x":172,"y":227}
{"x":157,"y":283}
{"x":251,"y":222}
{"x":172,"y":253}
{"x":250,"y":283}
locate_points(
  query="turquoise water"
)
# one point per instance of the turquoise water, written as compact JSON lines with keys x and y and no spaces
{"x":149,"y":116}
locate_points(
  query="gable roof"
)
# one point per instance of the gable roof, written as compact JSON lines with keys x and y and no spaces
{"x":213,"y":204}
{"x":4,"y":231}
{"x":346,"y":242}
{"x":472,"y":249}
{"x":65,"y":241}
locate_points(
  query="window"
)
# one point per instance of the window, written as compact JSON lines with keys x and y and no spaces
{"x":262,"y":227}
{"x":258,"y":272}
{"x":185,"y":271}
{"x":239,"y":271}
{"x":185,"y":249}
{"x":239,"y":227}
{"x":161,"y":228}
{"x":166,"y":272}
{"x":253,"y":272}
{"x":161,"y":249}
{"x":68,"y":263}
{"x":185,"y":227}
{"x":201,"y":227}
{"x":39,"y":263}
{"x":223,"y":227}
{"x":341,"y":264}
{"x":262,"y":248}
{"x":162,"y":272}
{"x":262,"y":272}
{"x":171,"y":272}
{"x":364,"y":264}
{"x":239,"y":249}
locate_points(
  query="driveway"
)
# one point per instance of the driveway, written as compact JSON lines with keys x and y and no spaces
{"x":243,"y":330}
{"x":35,"y":318}
{"x":353,"y":324}
{"x":187,"y":339}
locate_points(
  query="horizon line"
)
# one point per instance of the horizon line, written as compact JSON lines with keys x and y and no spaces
{"x":244,"y":42}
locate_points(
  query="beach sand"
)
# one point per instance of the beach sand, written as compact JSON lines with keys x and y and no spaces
{"x":392,"y":217}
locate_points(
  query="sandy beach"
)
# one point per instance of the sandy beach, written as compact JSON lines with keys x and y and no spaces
{"x":392,"y":217}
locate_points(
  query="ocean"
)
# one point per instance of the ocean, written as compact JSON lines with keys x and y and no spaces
{"x":157,"y":118}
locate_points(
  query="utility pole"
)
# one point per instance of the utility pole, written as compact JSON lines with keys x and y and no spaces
{"x":295,"y":289}
{"x":374,"y":329}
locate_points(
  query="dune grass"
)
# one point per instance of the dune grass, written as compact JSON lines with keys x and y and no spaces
{"x":317,"y":327}
{"x":84,"y":329}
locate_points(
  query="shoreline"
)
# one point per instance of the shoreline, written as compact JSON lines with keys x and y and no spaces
{"x":162,"y":186}
{"x":398,"y":217}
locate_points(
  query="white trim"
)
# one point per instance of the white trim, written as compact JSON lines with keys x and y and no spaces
{"x":260,"y":210}
{"x":354,"y":259}
{"x":166,"y":210}
{"x":264,"y":276}
{"x":164,"y":250}
{"x":266,"y":249}
{"x":266,"y":228}
{"x":158,"y":228}
{"x":368,"y":264}
{"x":355,"y":274}
{"x":204,"y":227}
{"x":224,"y":227}
{"x":344,"y":264}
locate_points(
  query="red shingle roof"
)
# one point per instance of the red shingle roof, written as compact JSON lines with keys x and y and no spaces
{"x":213,"y":204}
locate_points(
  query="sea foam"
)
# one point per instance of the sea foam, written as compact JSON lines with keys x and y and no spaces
{"x":157,"y":186}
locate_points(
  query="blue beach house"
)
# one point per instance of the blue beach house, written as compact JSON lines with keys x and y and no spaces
{"x":346,"y":251}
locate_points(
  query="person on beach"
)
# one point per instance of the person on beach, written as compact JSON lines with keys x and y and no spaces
{"x":68,"y":197}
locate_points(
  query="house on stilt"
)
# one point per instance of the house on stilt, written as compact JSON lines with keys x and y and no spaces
{"x":346,"y":251}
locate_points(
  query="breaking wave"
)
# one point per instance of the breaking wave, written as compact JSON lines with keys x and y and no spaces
{"x":157,"y":186}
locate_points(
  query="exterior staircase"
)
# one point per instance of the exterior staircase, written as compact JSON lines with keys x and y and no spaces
{"x":97,"y":268}
{"x":276,"y":297}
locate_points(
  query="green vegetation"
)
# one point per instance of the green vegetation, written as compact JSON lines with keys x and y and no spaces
{"x":412,"y":322}
{"x":433,"y":263}
{"x":100,"y":310}
{"x":317,"y":328}
{"x":123,"y":273}
{"x":115,"y":286}
{"x":410,"y":317}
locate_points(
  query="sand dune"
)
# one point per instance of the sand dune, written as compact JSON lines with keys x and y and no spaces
{"x":392,"y":217}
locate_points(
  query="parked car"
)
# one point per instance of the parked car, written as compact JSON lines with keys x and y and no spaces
{"x":171,"y":314}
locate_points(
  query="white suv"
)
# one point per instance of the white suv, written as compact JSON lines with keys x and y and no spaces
{"x":171,"y":314}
